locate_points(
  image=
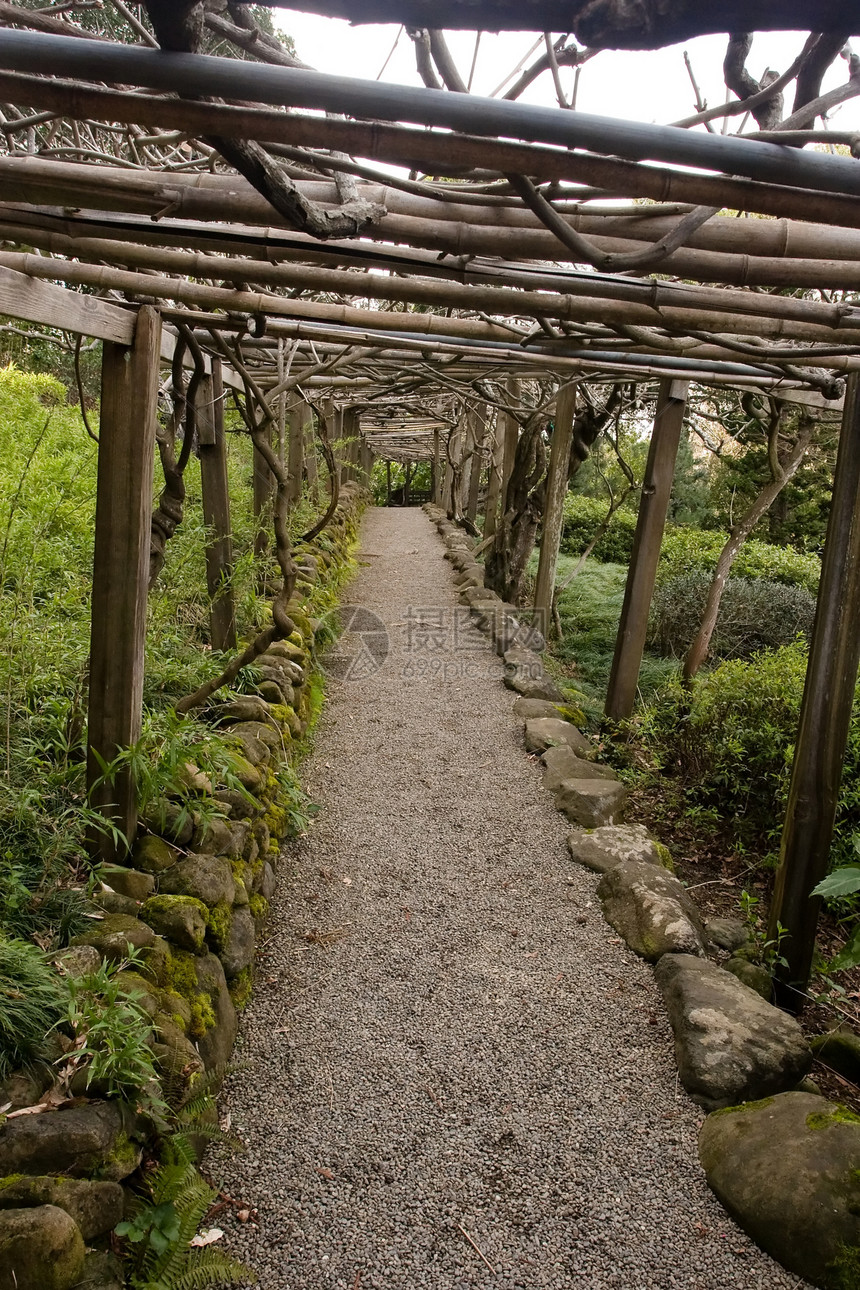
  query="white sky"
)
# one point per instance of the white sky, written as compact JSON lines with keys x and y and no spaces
{"x":647,"y":86}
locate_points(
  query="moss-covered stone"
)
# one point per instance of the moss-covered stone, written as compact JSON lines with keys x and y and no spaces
{"x":219,"y":921}
{"x":180,"y":919}
{"x":788,"y":1170}
{"x":113,"y":935}
{"x":206,"y":878}
{"x":41,"y":1248}
{"x":128,"y":882}
{"x":96,"y":1207}
{"x":240,"y":989}
{"x":152,"y":854}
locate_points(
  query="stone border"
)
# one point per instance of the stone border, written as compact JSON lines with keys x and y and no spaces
{"x":781,"y":1158}
{"x":193,"y":900}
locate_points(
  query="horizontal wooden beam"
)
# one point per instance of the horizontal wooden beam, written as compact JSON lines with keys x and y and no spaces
{"x":29,"y":298}
{"x":600,"y":24}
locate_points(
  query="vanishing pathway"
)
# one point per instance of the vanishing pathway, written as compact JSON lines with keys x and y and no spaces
{"x":446,"y":1041}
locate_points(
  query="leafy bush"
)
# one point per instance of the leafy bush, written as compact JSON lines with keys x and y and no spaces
{"x":754,"y":614}
{"x":112,"y":1034}
{"x":685,"y":550}
{"x":33,"y":998}
{"x":582,"y":518}
{"x":731,"y":743}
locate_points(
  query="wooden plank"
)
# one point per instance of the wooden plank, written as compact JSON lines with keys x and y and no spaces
{"x":494,"y":484}
{"x":51,"y":306}
{"x":129,"y":393}
{"x":825,"y":718}
{"x":653,"y":507}
{"x":216,"y":508}
{"x":553,"y":516}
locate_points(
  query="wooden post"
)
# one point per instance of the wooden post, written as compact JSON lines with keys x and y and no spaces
{"x":388,"y":483}
{"x":407,"y":500}
{"x":479,"y":434}
{"x":553,"y":515}
{"x":311,"y":466}
{"x":825,"y":717}
{"x":129,"y":393}
{"x":494,"y":479}
{"x":511,"y":436}
{"x":296,"y":452}
{"x":436,"y":472}
{"x":653,"y":506}
{"x":216,"y":508}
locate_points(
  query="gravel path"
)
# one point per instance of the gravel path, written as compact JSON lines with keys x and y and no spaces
{"x":446,"y":1041}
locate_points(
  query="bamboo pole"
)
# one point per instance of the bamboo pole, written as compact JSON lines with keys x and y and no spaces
{"x":440,"y":153}
{"x":195,"y":74}
{"x":834,"y":264}
{"x":639,"y":590}
{"x":676,"y":306}
{"x":825,"y":718}
{"x":553,"y":515}
{"x":129,"y":395}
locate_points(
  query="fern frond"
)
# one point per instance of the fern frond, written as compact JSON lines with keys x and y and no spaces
{"x":212,"y":1268}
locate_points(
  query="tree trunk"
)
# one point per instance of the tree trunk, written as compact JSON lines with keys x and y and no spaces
{"x":698,"y":651}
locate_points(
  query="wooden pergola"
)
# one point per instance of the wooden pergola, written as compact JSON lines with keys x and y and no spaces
{"x":228,"y":216}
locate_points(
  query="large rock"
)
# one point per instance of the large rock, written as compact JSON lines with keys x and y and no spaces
{"x":238,"y":953}
{"x":247,"y":707}
{"x":207,"y":878}
{"x":525,"y":674}
{"x":788,"y":1170}
{"x":97,"y":1140}
{"x":752,"y":975}
{"x":590,"y":802}
{"x":216,"y":1044}
{"x":113,"y":934}
{"x":650,"y":909}
{"x":840,"y":1050}
{"x":181,"y":919}
{"x":730,"y":1045}
{"x":96,"y":1207}
{"x":534,"y":709}
{"x":548,"y":732}
{"x":40,"y":1249}
{"x":562,"y":763}
{"x":727,"y":934}
{"x":128,"y":882}
{"x":614,"y":844}
{"x":212,"y":837}
{"x":152,"y":854}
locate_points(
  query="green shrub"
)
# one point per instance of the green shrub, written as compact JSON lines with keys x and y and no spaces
{"x":582,"y":518}
{"x":33,"y":998}
{"x":731,"y":743}
{"x":686,"y":550}
{"x":755,"y":614}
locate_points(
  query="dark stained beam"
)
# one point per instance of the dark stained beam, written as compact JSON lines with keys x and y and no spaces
{"x":601,"y":24}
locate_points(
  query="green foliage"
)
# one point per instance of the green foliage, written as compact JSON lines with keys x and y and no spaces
{"x":755,"y":614}
{"x":160,"y":1231}
{"x":687,"y":549}
{"x":112,"y":1036}
{"x":583,"y":516}
{"x":730,"y":742}
{"x":765,"y":951}
{"x":33,"y":998}
{"x":589,"y":611}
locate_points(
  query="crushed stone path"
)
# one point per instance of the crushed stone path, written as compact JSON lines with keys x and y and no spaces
{"x":452,"y":1074}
